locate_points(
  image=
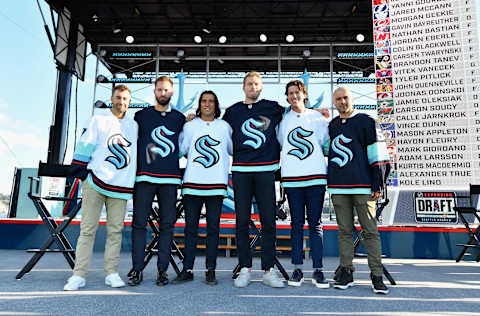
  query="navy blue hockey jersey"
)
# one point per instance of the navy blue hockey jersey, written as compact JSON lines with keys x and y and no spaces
{"x":358,"y":159}
{"x":255,"y":145}
{"x":158,"y":146}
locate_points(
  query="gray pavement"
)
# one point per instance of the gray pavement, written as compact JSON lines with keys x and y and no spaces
{"x":433,"y":287}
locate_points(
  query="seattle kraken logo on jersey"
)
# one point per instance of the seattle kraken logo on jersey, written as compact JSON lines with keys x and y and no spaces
{"x":165,"y":145}
{"x":204,"y":147}
{"x":296,"y":138}
{"x":250,"y":128}
{"x":117,"y":145}
{"x":339,"y":148}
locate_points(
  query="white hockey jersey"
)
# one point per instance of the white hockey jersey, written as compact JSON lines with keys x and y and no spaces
{"x":304,"y":139}
{"x":106,"y":154}
{"x":208,"y":145}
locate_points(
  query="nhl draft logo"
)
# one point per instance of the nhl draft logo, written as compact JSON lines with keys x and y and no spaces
{"x":209,"y":156}
{"x":165,"y":145}
{"x":341,"y":150}
{"x":117,"y":145}
{"x":250,"y":128}
{"x":303,"y":147}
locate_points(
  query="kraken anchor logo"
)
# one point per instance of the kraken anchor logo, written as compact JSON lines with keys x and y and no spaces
{"x":165,"y":145}
{"x":117,"y":145}
{"x":250,"y":129}
{"x":204,"y":147}
{"x":303,"y":148}
{"x":339,"y":148}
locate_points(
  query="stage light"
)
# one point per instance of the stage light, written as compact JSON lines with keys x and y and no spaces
{"x":180,"y":53}
{"x":117,"y":28}
{"x":197,"y":39}
{"x":220,"y":61}
{"x":306,"y":53}
{"x":101,"y":78}
{"x":263,"y":38}
{"x":290,"y":38}
{"x":360,"y":37}
{"x":100,"y":104}
{"x":206,"y":30}
{"x":222,"y":39}
{"x":129,"y":39}
{"x":95,"y":18}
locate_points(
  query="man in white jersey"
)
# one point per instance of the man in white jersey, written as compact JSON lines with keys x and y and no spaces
{"x":105,"y":159}
{"x":207,"y":141}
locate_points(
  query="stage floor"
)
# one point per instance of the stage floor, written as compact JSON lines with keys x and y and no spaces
{"x":438,"y":287}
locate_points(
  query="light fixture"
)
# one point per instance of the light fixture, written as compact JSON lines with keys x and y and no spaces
{"x":289,"y":38}
{"x":263,"y":38}
{"x":197,"y":39}
{"x":180,"y":53}
{"x":101,"y":79}
{"x":222,"y":39}
{"x":360,"y":38}
{"x":129,"y":39}
{"x":95,"y":18}
{"x":100,"y":104}
{"x":206,"y":28}
{"x":306,"y":53}
{"x":220,"y":61}
{"x":117,"y":28}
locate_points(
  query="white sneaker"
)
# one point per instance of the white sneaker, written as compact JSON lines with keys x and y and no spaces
{"x":114,"y":280}
{"x":243,"y":278}
{"x":74,"y":283}
{"x":271,"y":279}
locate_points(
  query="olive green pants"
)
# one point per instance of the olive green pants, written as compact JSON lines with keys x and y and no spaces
{"x":92,"y":204}
{"x":365,"y":206}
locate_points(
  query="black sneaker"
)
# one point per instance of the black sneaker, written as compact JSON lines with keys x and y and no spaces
{"x":377,"y":285}
{"x":183,"y":277}
{"x":135,"y":278}
{"x":210,"y":277}
{"x":296,"y":279}
{"x":344,"y":279}
{"x":318,"y":279}
{"x":162,"y":279}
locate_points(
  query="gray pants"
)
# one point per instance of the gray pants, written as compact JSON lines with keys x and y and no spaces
{"x":365,"y":206}
{"x":92,"y":204}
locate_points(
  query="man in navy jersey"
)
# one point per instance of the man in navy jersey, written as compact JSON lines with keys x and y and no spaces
{"x":357,"y":164}
{"x":158,"y":173}
{"x":255,"y":159}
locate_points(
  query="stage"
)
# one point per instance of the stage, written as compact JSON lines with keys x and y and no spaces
{"x":397,"y":241}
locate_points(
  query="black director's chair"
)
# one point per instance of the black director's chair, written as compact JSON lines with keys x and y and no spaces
{"x":359,"y":239}
{"x":257,"y":233}
{"x":474,"y":235}
{"x":151,"y":249}
{"x":56,"y":231}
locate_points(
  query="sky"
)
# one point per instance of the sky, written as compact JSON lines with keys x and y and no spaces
{"x":28,"y":82}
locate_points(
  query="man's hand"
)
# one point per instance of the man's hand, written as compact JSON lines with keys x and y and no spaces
{"x":190,"y":117}
{"x":325,"y":112}
{"x":376,"y":195}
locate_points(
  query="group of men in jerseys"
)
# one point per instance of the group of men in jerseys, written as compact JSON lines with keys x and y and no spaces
{"x":119,"y":158}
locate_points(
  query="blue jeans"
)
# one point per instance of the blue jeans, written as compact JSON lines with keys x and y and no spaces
{"x":309,"y":198}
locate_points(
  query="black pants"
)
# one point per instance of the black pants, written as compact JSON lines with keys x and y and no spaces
{"x":193,"y":206}
{"x":144,"y":193}
{"x":262,"y":186}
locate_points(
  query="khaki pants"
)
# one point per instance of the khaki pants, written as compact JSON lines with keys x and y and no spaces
{"x":365,"y":206}
{"x":92,"y":204}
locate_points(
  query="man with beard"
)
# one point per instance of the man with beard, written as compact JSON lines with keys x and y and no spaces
{"x":105,"y":161}
{"x":255,"y":160}
{"x":158,"y":173}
